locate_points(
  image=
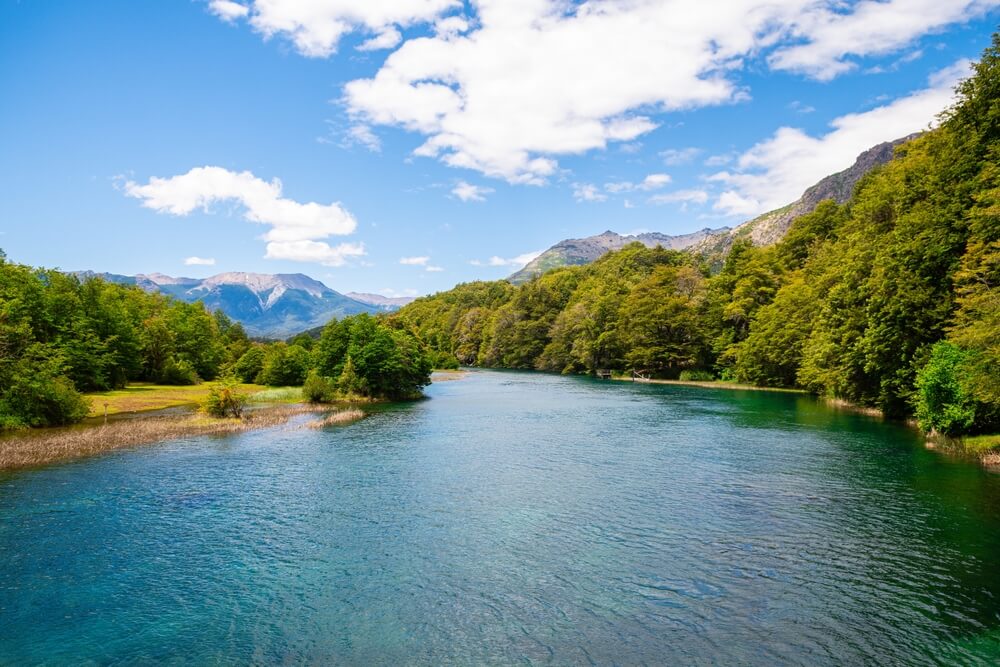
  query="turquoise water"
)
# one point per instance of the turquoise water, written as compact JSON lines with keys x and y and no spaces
{"x":513,"y":518}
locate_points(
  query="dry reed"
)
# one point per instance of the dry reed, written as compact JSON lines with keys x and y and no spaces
{"x":51,"y":445}
{"x":341,"y":417}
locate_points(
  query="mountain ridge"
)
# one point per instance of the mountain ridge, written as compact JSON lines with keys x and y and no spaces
{"x":765,"y":229}
{"x":267,"y":305}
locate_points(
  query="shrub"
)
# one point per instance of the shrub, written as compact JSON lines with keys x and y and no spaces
{"x":250,"y":364}
{"x":942,"y":404}
{"x":42,"y":399}
{"x":319,"y":389}
{"x":695,"y":375}
{"x":225,"y":399}
{"x":443,"y":360}
{"x":178,"y":371}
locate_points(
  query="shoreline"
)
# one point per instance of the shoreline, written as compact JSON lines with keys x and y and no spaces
{"x":63,"y":444}
{"x":987,"y":456}
{"x":712,"y":384}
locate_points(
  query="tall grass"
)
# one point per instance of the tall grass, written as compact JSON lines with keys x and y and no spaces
{"x":34,"y":448}
{"x":341,"y":417}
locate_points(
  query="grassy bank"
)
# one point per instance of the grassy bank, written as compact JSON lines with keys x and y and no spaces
{"x":36,"y":448}
{"x":142,"y":397}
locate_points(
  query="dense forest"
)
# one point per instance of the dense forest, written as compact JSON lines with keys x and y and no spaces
{"x":890,"y":301}
{"x":60,"y":336}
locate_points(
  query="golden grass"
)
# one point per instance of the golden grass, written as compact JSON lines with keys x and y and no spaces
{"x":448,"y":375}
{"x":141,"y":396}
{"x":52,"y":445}
{"x":337,"y":418}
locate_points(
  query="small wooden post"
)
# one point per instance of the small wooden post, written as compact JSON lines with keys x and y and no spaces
{"x":106,"y":412}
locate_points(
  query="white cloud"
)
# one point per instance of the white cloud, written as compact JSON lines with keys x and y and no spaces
{"x":315,"y":251}
{"x":469,"y":192}
{"x":434,"y":269}
{"x":362,"y":134}
{"x":651,"y":182}
{"x":414,"y":261}
{"x":199,"y":261}
{"x":775,"y":172}
{"x":872,"y":27}
{"x":295,"y":228}
{"x":315,"y":27}
{"x":395,"y":294}
{"x":227,"y":10}
{"x":541,"y":79}
{"x":680,"y":196}
{"x":387,"y":39}
{"x":676,"y":156}
{"x":587,"y":192}
{"x":513,"y":86}
{"x":517,"y":262}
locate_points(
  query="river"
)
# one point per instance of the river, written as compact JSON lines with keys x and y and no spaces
{"x":513,"y":518}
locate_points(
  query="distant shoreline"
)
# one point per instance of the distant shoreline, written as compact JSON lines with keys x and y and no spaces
{"x":712,"y":384}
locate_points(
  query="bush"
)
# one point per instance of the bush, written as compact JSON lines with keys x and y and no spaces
{"x":695,"y":375}
{"x":250,"y":364}
{"x":42,"y":399}
{"x":443,"y":360}
{"x":942,"y":404}
{"x":178,"y":371}
{"x":319,"y":389}
{"x":225,"y":399}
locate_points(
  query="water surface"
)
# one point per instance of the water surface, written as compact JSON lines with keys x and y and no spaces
{"x":513,"y":518}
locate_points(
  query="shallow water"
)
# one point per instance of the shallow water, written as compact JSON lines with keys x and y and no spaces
{"x":513,"y":518}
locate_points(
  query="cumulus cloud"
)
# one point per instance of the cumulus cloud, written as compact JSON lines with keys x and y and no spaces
{"x":587,"y":192}
{"x":651,"y":182}
{"x":296,"y":229}
{"x":227,"y":10}
{"x":508,"y":87}
{"x":387,"y":39}
{"x":872,"y":27}
{"x":315,"y":27}
{"x":414,"y":261}
{"x":680,"y":196}
{"x":516,"y":262}
{"x":776,"y":171}
{"x":434,"y":269}
{"x":539,"y":79}
{"x":199,"y":261}
{"x":469,"y":192}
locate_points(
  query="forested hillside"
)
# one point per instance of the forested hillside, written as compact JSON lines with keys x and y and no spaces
{"x":891,"y":300}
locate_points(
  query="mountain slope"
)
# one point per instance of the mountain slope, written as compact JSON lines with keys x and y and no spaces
{"x":765,"y":229}
{"x":770,"y":227}
{"x":384,"y":302}
{"x":573,"y":252}
{"x":270,"y":306}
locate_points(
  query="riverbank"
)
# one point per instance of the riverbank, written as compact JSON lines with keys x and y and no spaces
{"x":983,"y":448}
{"x":711,"y":384}
{"x":36,"y":448}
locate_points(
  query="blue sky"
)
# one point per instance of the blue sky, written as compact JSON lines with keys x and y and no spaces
{"x":137,"y":136}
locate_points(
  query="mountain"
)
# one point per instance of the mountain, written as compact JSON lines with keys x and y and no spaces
{"x":384,"y":302}
{"x":572,"y":252}
{"x":771,"y":227}
{"x":763,"y":230}
{"x":268,"y":306}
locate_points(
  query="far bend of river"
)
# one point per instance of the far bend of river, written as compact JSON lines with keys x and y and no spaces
{"x":513,"y":518}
